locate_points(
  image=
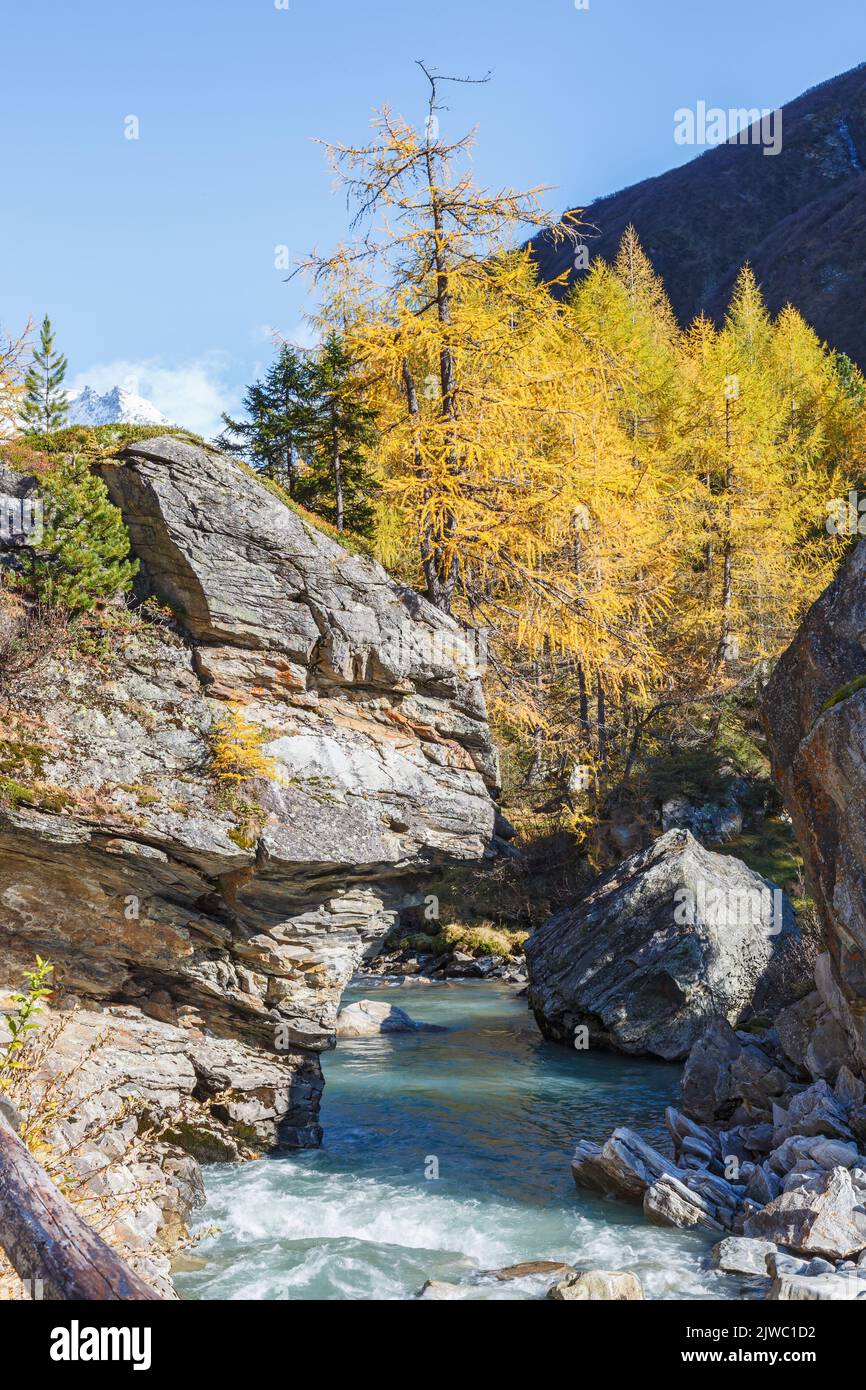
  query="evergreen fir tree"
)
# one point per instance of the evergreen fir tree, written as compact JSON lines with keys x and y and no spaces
{"x":83,"y":556}
{"x":273,"y":439}
{"x":851,"y":378}
{"x":340,"y":430}
{"x":45,"y":406}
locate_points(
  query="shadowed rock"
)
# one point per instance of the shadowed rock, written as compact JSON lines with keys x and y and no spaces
{"x":670,"y":939}
{"x":815,"y":717}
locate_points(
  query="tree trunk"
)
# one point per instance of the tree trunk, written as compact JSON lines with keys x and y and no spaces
{"x":46,"y":1241}
{"x":426,"y":542}
{"x":337,"y":466}
{"x":583,"y":702}
{"x":602,"y":724}
{"x":442,"y":593}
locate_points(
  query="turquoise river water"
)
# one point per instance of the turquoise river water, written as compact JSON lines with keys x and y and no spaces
{"x":497,"y":1111}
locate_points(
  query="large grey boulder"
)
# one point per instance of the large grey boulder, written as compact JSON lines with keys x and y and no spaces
{"x":670,"y":939}
{"x":251,"y":903}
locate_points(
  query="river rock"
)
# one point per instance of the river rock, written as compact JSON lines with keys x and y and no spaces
{"x":440,"y":1291}
{"x":763,"y":1185}
{"x":682,"y":1128}
{"x":530,"y":1268}
{"x":849,"y":1089}
{"x":729,"y":1075}
{"x":812,"y":1111}
{"x":369,"y":1017}
{"x":812,"y":1038}
{"x":780,"y":1262}
{"x":833,"y":1153}
{"x":823,"y":1216}
{"x":625,"y":1166}
{"x":822,"y":1288}
{"x":739,"y":1255}
{"x":668,"y":1202}
{"x":675,"y":936}
{"x":598,"y":1284}
{"x":823,"y":1153}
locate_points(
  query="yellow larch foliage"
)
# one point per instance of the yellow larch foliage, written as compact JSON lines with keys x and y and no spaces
{"x":236,"y":748}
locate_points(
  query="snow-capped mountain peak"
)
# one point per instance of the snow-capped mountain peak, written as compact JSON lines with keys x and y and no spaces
{"x":115,"y":407}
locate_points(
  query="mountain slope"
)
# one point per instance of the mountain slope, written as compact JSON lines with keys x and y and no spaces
{"x":798,"y":216}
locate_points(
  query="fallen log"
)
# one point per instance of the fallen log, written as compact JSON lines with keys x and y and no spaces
{"x":46,"y":1241}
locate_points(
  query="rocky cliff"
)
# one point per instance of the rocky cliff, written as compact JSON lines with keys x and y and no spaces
{"x":215,"y":920}
{"x":815,"y":718}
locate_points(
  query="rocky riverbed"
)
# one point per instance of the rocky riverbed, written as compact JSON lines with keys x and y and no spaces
{"x":497,"y":1216}
{"x":770,"y":1139}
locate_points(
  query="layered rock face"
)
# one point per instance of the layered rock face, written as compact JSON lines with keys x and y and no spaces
{"x":815,"y":718}
{"x":233,"y":915}
{"x":673,"y":937}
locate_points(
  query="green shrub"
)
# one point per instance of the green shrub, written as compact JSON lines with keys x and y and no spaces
{"x":695,"y":773}
{"x":101,"y":441}
{"x":83,"y":555}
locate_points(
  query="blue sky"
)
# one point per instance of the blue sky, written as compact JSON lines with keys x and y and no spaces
{"x":155,"y":256}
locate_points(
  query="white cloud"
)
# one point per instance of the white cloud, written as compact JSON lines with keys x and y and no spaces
{"x":192,"y":394}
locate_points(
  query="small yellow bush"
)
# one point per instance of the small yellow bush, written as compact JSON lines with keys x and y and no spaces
{"x":236,"y":749}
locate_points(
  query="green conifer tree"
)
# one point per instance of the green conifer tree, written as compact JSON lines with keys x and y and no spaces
{"x":83,"y":556}
{"x":273,"y":438}
{"x":340,"y":431}
{"x":45,"y":407}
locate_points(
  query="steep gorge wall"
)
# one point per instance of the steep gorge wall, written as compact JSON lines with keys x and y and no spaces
{"x":234,"y":919}
{"x":815,"y":718}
